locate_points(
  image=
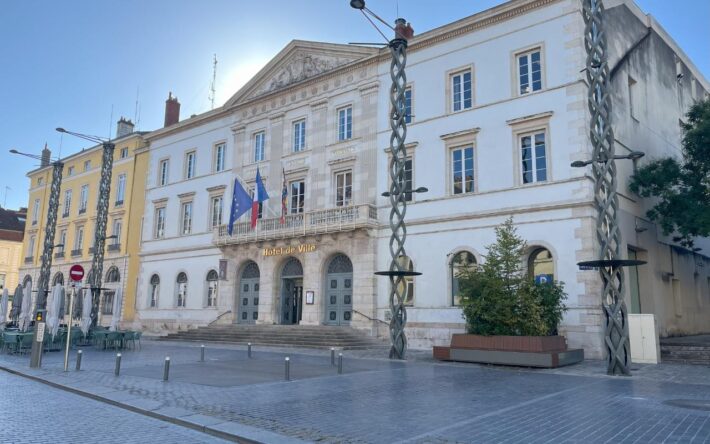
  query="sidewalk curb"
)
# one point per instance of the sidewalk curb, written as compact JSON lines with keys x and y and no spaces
{"x":177,"y":421}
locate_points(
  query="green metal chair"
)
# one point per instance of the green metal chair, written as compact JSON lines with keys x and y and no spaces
{"x":25,"y":343}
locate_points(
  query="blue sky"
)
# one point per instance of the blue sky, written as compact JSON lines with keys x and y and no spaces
{"x":69,"y":63}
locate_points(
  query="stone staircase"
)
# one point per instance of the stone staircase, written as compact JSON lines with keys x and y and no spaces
{"x":311,"y":336}
{"x":686,"y":350}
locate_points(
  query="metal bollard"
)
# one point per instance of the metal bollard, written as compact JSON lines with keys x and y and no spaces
{"x":340,"y":363}
{"x":202,"y":353}
{"x":78,"y":360}
{"x":332,"y":356}
{"x":117,"y":369}
{"x":166,"y":370}
{"x":249,"y":350}
{"x":287,"y":370}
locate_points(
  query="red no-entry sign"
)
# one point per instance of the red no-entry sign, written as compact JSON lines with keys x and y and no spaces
{"x":76,"y":272}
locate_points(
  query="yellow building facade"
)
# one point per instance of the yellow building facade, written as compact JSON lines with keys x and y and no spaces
{"x":76,"y":221}
{"x":11,"y":231}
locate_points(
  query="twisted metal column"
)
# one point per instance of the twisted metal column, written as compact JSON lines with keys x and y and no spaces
{"x":397,"y":195}
{"x":52,"y":208}
{"x":606,"y":199}
{"x":97,"y":263}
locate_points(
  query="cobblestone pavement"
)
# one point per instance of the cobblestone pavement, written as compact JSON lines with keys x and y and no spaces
{"x":377,"y":400}
{"x":68,"y":418}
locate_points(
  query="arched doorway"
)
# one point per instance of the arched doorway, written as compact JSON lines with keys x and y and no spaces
{"x":339,"y":291}
{"x":58,"y":279}
{"x":291,"y":291}
{"x":248,"y":311}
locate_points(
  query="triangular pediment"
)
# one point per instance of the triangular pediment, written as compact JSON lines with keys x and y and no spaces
{"x":298,"y":61}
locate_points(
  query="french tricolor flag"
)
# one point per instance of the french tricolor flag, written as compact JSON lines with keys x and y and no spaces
{"x":259,"y":196}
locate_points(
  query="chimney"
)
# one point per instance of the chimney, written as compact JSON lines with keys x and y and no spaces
{"x":172,"y":110}
{"x":124,"y":127}
{"x":46,"y":154}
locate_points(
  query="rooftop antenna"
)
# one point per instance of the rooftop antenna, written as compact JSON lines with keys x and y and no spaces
{"x":4,"y":202}
{"x":213,"y":85}
{"x":110,"y":124}
{"x":136,"y":115}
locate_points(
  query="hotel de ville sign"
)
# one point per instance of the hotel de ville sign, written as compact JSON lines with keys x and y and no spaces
{"x":291,"y":249}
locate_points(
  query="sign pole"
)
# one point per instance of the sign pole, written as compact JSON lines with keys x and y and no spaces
{"x":71,"y":312}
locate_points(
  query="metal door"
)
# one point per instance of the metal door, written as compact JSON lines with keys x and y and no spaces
{"x":248,"y":311}
{"x":339,"y":299}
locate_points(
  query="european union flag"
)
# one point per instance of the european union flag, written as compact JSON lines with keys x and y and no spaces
{"x":241,"y":203}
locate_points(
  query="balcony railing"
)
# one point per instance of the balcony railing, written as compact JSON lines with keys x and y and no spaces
{"x":29,"y":259}
{"x":114,"y":247}
{"x":296,"y":225}
{"x":59,"y":255}
{"x":76,"y":252}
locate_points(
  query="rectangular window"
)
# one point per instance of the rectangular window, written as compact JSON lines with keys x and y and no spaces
{"x":40,"y":181}
{"x":259,"y":146}
{"x":121,"y":189}
{"x":83,"y":198}
{"x":461,"y":91}
{"x":462,"y":170}
{"x":79,"y":239}
{"x":124,"y":153}
{"x":299,"y":135}
{"x":117,"y":226}
{"x":159,"y":223}
{"x":87,"y":165}
{"x":35,"y":212}
{"x":261,"y":205}
{"x":186,"y":219}
{"x":297,"y":189}
{"x":190,"y":165}
{"x":408,"y":105}
{"x":31,"y":246}
{"x":343,"y":188}
{"x":67,"y":203}
{"x":533,"y":158}
{"x":70,"y":171}
{"x":62,"y":241}
{"x":163,"y":175}
{"x":633,"y":98}
{"x":219,"y":157}
{"x":408,"y":179}
{"x":529,"y":72}
{"x":107,"y":303}
{"x":345,"y":123}
{"x":216,"y":219}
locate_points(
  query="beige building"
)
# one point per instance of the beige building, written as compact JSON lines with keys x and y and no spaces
{"x":12,"y":227}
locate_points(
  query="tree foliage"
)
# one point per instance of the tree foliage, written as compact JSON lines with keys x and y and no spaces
{"x":499,"y":298}
{"x":681,"y":187}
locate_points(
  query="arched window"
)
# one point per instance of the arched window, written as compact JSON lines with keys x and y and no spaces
{"x":181,"y":289}
{"x":26,"y":280}
{"x":58,"y":279}
{"x":212,"y":281}
{"x":407,"y":286}
{"x":461,"y":262}
{"x":113,"y":275}
{"x":154,"y":289}
{"x":541,"y":266}
{"x":89,"y":278}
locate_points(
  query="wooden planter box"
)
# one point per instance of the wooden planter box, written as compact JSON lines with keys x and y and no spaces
{"x":526,"y":351}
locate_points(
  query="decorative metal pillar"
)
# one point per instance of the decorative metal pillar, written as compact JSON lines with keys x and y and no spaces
{"x":52,"y":208}
{"x":397,"y":195}
{"x":606,"y":199}
{"x":97,"y":263}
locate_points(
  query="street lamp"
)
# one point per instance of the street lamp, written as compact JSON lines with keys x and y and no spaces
{"x":46,"y":265}
{"x":97,"y":263}
{"x":633,"y":155}
{"x":398,"y":192}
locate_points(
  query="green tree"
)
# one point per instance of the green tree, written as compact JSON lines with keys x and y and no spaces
{"x":681,"y":187}
{"x":499,"y":298}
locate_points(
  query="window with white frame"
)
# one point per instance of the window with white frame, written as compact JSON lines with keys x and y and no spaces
{"x":216,"y":211}
{"x":124,"y":153}
{"x":35,"y":212}
{"x":461,"y":263}
{"x":154,"y":291}
{"x":67,"y":203}
{"x":181,"y":289}
{"x":163,"y":173}
{"x":529,"y":72}
{"x":219,"y":152}
{"x":297,"y":188}
{"x":533,"y":165}
{"x":40,"y":181}
{"x":259,"y":152}
{"x":70,"y":171}
{"x":117,"y":226}
{"x":31,"y":246}
{"x":121,"y":189}
{"x":345,"y":123}
{"x":462,"y":170}
{"x":461,"y":92}
{"x":107,"y":302}
{"x":299,"y":135}
{"x":159,"y":231}
{"x":408,"y":105}
{"x":87,"y":165}
{"x":79,"y":238}
{"x":62,"y":241}
{"x":83,"y":198}
{"x":212,"y":284}
{"x":186,"y":218}
{"x":343,"y":188}
{"x":261,"y":204}
{"x":190,"y":159}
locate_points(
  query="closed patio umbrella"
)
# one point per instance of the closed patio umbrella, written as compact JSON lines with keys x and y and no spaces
{"x":26,"y":310}
{"x":63,"y":304}
{"x":54,"y":302}
{"x":86,"y":313}
{"x":117,"y":302}
{"x":16,"y":303}
{"x":3,"y":307}
{"x":78,"y":299}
